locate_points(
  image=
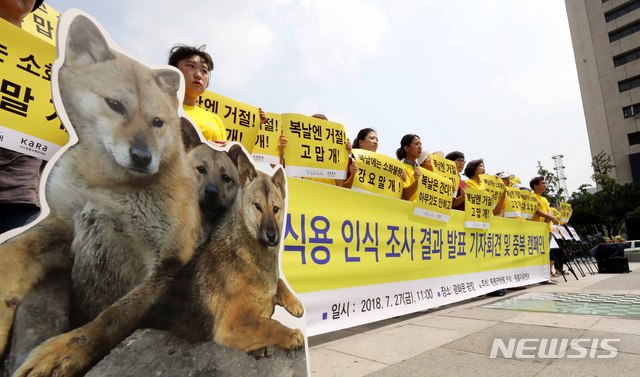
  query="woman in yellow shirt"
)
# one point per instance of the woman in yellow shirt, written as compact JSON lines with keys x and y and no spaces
{"x":473,"y":170}
{"x":409,"y":153}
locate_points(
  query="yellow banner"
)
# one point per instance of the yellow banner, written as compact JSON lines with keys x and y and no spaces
{"x":42,"y":23}
{"x":28,"y":120}
{"x":529,"y":204}
{"x":446,"y":168}
{"x":493,"y":185}
{"x":434,"y":197}
{"x":565,"y":212}
{"x":316,"y":147}
{"x":478,"y":207}
{"x":241,"y":120}
{"x":352,"y":239}
{"x":267,"y":140}
{"x":377,"y":174}
{"x":512,"y":203}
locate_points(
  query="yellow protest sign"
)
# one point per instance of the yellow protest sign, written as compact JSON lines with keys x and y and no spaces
{"x":434,"y":196}
{"x":42,"y":23}
{"x":565,"y":212}
{"x":529,"y":204}
{"x":512,"y":202}
{"x":316,"y":147}
{"x":477,"y":209}
{"x":493,"y":185}
{"x":28,"y":120}
{"x":378,"y":174}
{"x":267,"y":140}
{"x":446,"y":168}
{"x":241,"y":120}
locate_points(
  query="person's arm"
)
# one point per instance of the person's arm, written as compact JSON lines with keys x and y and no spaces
{"x":500,"y":203}
{"x":458,"y":200}
{"x":282,"y":144}
{"x":352,"y":170}
{"x":408,"y":192}
{"x":547,"y":217}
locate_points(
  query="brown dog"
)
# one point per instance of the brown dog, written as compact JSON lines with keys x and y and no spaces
{"x":123,"y":215}
{"x":230,"y":288}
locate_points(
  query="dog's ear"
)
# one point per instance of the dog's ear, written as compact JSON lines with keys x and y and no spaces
{"x":240,"y":159}
{"x":168,"y":80}
{"x":280,"y":180}
{"x":85,"y":44}
{"x":190,"y":137}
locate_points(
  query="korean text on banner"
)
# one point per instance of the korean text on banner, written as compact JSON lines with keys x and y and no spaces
{"x":266,"y":146}
{"x":316,"y":147}
{"x":28,"y":121}
{"x":377,"y":174}
{"x":478,"y":209}
{"x":241,"y":120}
{"x":372,"y":261}
{"x":42,"y":23}
{"x":512,"y":202}
{"x":565,"y":212}
{"x":529,"y":204}
{"x":446,"y":168}
{"x":493,"y":185}
{"x":434,"y":197}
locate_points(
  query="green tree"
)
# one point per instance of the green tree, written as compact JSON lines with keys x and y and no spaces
{"x":554,"y":193}
{"x":610,"y":206}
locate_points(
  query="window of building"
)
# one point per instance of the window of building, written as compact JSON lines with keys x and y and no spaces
{"x":629,"y":84}
{"x":631,"y":111}
{"x":621,"y":10}
{"x":634,"y":161}
{"x":626,"y":57}
{"x":624,"y":31}
{"x":634,"y":138}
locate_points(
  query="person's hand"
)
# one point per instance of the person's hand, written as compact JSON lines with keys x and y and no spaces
{"x":348,"y":146}
{"x":403,"y":175}
{"x":282,"y":144}
{"x":416,"y":173}
{"x":353,"y":168}
{"x":263,"y":116}
{"x":554,"y":220}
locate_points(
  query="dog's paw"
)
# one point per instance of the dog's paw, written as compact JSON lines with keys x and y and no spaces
{"x":7,"y":314}
{"x":63,"y":355}
{"x":296,"y":340}
{"x":293,"y":306}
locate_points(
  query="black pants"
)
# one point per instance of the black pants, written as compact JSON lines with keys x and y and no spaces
{"x":558,"y":259}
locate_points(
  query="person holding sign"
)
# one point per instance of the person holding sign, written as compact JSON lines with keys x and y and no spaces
{"x":472,"y":171}
{"x":19,"y":173}
{"x":458,"y":158}
{"x":196,"y":66}
{"x":409,"y":152}
{"x":506,"y":179}
{"x":543,"y":214}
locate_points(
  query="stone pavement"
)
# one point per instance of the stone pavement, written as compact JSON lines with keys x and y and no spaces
{"x":456,"y":340}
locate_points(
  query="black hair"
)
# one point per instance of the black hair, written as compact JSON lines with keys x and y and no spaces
{"x":181,"y":52}
{"x":362,"y":134}
{"x":536,"y":181}
{"x":405,"y":142}
{"x":452,"y":156}
{"x":470,"y":169}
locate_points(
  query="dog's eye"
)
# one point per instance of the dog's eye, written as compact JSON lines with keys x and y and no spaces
{"x":276,"y":209}
{"x":157,"y":122}
{"x":226,"y":178}
{"x":258,"y":206}
{"x":115,"y":105}
{"x":201,"y":169}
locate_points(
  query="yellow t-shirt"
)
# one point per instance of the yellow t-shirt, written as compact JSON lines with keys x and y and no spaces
{"x":543,"y":206}
{"x":472,"y":184}
{"x":209,"y":124}
{"x":410,"y":169}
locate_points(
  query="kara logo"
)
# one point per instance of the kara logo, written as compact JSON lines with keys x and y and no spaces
{"x":30,"y":144}
{"x":554,"y":348}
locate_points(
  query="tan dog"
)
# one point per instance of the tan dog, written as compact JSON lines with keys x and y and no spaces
{"x":123,"y":215}
{"x":232,"y":285}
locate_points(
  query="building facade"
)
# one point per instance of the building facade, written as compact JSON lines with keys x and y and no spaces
{"x":606,"y":45}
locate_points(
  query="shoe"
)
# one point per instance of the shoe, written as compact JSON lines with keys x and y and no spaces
{"x":550,"y":281}
{"x":499,"y":293}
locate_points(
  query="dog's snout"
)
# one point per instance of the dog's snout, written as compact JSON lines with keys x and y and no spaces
{"x":271,"y":236}
{"x":211,"y":193}
{"x":140,"y":156}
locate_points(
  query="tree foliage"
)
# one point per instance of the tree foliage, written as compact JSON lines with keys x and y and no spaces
{"x":610,"y":206}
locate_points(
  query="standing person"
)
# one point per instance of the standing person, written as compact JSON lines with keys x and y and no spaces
{"x":409,"y":153}
{"x":543,"y":214}
{"x":19,"y":173}
{"x":458,"y":158}
{"x":472,"y":171}
{"x":196,"y":66}
{"x":506,"y":180}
